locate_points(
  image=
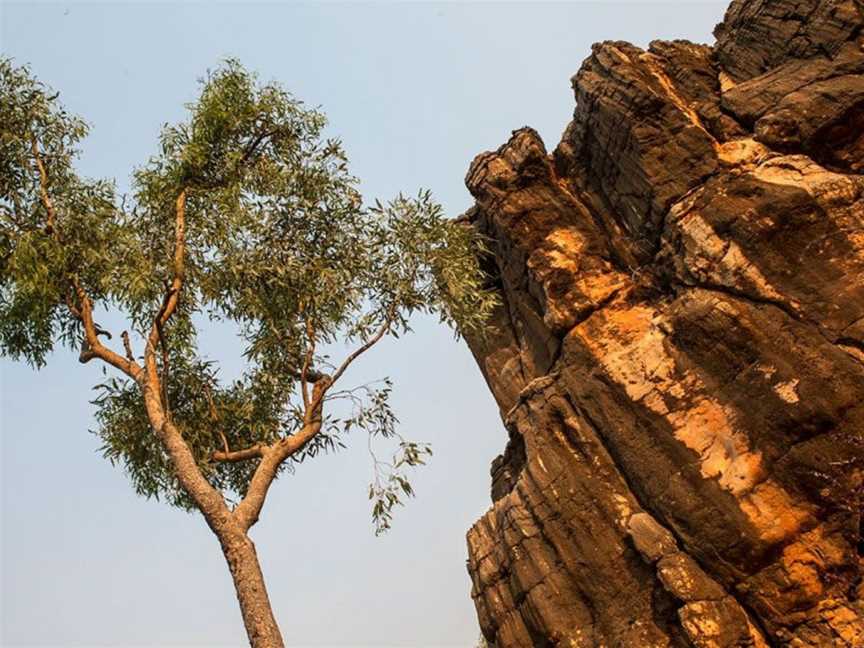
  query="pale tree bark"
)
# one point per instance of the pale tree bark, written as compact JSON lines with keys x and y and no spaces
{"x":261,"y":627}
{"x":231,"y":527}
{"x":231,"y":530}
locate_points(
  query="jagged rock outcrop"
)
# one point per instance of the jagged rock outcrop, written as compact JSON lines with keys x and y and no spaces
{"x":679,"y":351}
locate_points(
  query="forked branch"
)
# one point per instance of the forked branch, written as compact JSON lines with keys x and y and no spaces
{"x":169,"y":304}
{"x":91,"y":346}
{"x":172,"y":294}
{"x":382,"y":330}
{"x":273,"y":456}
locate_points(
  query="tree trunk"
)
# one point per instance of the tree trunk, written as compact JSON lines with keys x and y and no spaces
{"x":261,"y":627}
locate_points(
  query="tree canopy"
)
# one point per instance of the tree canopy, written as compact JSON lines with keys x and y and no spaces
{"x":248,"y":215}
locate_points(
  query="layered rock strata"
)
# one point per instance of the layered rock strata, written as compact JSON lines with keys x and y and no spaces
{"x":679,"y":352}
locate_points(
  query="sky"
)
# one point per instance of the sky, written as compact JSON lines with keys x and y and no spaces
{"x":415,"y":91}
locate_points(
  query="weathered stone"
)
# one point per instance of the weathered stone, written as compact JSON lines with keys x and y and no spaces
{"x":824,"y":119}
{"x":636,"y":138}
{"x":679,"y":353}
{"x":714,"y":624}
{"x":749,"y":100}
{"x":784,"y":231}
{"x":650,"y":538}
{"x":757,"y":35}
{"x":685,"y":580}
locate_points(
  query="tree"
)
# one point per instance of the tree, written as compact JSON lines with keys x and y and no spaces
{"x":247,"y":215}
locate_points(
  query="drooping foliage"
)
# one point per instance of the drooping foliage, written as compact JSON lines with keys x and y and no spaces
{"x":276,"y":240}
{"x":36,"y":259}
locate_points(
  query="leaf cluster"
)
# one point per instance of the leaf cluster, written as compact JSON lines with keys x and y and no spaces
{"x":38,"y":256}
{"x":276,"y":241}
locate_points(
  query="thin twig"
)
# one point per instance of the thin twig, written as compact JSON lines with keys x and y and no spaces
{"x":43,"y":187}
{"x":307,"y":361}
{"x":385,"y":326}
{"x":214,"y":415}
{"x":127,"y":346}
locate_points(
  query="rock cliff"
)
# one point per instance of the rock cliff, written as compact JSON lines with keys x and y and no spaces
{"x":679,"y":353}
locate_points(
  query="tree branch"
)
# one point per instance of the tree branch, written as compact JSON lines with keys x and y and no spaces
{"x":91,"y":346}
{"x":43,"y":187}
{"x":165,"y":368}
{"x":127,"y":346}
{"x":169,"y":301}
{"x":250,"y":148}
{"x":214,"y":416}
{"x":172,"y":294}
{"x":385,"y":326}
{"x":209,"y":500}
{"x":234,"y":456}
{"x":206,"y":497}
{"x":247,"y":511}
{"x":368,"y":345}
{"x":307,"y":361}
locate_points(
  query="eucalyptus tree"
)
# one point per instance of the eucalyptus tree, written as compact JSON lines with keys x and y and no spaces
{"x":247,"y":215}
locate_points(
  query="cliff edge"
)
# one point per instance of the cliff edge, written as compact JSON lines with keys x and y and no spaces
{"x":679,"y":353}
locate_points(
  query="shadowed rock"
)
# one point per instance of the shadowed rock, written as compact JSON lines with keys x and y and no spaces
{"x":679,"y":351}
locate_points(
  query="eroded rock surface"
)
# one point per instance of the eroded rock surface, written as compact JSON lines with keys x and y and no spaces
{"x":679,"y":351}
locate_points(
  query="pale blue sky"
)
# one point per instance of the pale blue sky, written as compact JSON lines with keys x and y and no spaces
{"x":415,"y":91}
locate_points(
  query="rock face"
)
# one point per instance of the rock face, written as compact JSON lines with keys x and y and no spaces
{"x":679,"y":352}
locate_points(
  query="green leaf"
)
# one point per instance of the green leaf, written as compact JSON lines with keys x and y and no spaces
{"x":278,"y":243}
